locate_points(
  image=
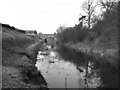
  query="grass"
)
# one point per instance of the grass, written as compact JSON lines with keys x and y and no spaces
{"x":19,"y":53}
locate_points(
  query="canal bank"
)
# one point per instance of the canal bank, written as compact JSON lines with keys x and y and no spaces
{"x":66,"y":68}
{"x":107,"y":71}
{"x":19,"y":53}
{"x":111,"y":54}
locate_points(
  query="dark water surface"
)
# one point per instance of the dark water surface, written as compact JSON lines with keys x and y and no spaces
{"x":67,"y":68}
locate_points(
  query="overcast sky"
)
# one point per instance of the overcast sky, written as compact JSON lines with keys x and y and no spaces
{"x":42,"y":15}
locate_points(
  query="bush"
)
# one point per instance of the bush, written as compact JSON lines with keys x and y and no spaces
{"x":73,"y":34}
{"x":104,"y":31}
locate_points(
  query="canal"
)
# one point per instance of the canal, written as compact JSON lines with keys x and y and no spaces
{"x":67,"y":68}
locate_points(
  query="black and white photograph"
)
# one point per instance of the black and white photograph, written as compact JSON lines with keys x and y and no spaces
{"x":59,"y":44}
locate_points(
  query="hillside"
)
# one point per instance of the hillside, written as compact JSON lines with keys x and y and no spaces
{"x":19,"y":53}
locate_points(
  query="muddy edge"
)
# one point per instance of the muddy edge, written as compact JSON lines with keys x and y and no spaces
{"x":29,"y":71}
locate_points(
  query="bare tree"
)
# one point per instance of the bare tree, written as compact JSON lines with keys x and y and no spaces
{"x":107,"y":4}
{"x":89,"y":8}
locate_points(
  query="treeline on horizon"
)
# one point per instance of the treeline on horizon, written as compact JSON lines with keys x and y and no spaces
{"x":103,"y":32}
{"x":8,"y":27}
{"x":11,"y":28}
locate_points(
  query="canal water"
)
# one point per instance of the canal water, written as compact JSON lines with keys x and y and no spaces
{"x":66,"y":68}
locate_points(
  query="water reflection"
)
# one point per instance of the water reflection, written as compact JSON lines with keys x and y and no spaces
{"x":106,"y":73}
{"x":59,"y":73}
{"x":67,"y":68}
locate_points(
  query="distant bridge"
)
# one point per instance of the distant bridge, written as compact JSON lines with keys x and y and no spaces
{"x":45,"y":36}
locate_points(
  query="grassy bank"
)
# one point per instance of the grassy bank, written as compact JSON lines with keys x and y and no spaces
{"x":99,"y":40}
{"x":19,"y":53}
{"x":111,"y":54}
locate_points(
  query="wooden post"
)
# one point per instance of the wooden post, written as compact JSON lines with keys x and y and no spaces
{"x":65,"y":83}
{"x":86,"y":76}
